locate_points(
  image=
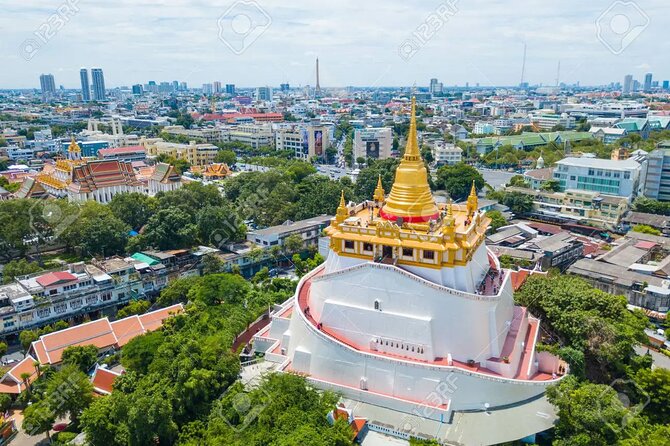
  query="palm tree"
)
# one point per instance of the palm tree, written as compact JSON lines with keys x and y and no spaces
{"x":25,"y":377}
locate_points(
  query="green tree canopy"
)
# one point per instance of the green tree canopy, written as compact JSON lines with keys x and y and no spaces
{"x":457,"y":180}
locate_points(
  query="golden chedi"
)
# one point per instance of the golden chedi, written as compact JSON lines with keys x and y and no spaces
{"x":410,"y":198}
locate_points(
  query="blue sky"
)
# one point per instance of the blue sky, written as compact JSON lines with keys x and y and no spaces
{"x":357,"y":42}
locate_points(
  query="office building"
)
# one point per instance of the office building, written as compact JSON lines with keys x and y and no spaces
{"x":48,"y":86}
{"x":85,"y":85}
{"x":305,"y":141}
{"x":373,"y":142}
{"x":647,"y":82}
{"x":138,"y":90}
{"x":397,"y":309}
{"x":666,"y":85}
{"x":284,"y":88}
{"x":610,"y":177}
{"x":230,"y":89}
{"x":207,"y":89}
{"x":216,"y":87}
{"x":627,"y":84}
{"x":99,"y":92}
{"x":264,"y":94}
{"x":435,"y":87}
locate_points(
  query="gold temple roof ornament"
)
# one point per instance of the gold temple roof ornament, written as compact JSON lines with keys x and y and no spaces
{"x":342,"y":211}
{"x":411,"y":199}
{"x":473,"y":200}
{"x":73,"y":147}
{"x":379,"y":191}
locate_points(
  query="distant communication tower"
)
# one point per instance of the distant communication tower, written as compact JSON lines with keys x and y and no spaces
{"x":523,"y":65}
{"x":317,"y":89}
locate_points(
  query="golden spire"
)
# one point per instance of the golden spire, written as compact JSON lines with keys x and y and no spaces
{"x":342,"y":211}
{"x":410,"y":197}
{"x":73,"y":147}
{"x":379,"y":191}
{"x":473,"y":201}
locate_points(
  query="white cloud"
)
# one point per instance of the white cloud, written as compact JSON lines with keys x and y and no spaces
{"x":357,"y":42}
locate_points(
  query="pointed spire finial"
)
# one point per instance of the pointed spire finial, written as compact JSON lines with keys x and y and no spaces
{"x":379,"y":191}
{"x":412,"y":149}
{"x":473,"y":200}
{"x":342,"y":211}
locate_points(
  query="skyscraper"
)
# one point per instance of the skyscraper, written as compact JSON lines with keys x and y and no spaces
{"x":647,"y":82}
{"x":666,"y":85}
{"x":264,"y":94}
{"x":98,"y":84}
{"x":627,"y":84}
{"x":47,"y":85}
{"x":85,"y":85}
{"x":230,"y":88}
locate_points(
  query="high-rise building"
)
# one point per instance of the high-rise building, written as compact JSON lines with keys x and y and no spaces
{"x":666,"y":85}
{"x":627,"y":84}
{"x":85,"y":85}
{"x":647,"y":82}
{"x":264,"y":94}
{"x":230,"y":88}
{"x":217,"y":87}
{"x":175,"y":86}
{"x":47,"y":85}
{"x":183,"y":86}
{"x":137,"y":89}
{"x":207,"y":89}
{"x":435,"y":87}
{"x":284,"y":88}
{"x":99,"y":92}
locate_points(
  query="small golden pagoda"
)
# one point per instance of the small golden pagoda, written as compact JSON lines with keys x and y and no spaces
{"x":408,"y":227}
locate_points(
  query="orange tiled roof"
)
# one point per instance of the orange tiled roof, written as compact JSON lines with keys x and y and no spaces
{"x":11,"y":382}
{"x":103,"y":380}
{"x":101,"y":333}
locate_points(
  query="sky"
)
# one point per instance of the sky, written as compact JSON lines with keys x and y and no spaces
{"x":358,"y":42}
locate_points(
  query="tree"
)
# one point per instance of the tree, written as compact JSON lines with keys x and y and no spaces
{"x":27,"y":337}
{"x":83,"y":357}
{"x":497,"y":219}
{"x":211,"y":264}
{"x":646,"y":229}
{"x":137,"y":354}
{"x":99,"y":421}
{"x":69,"y":392}
{"x":518,"y":202}
{"x":134,"y":208}
{"x":219,"y":225}
{"x":17,"y":268}
{"x":38,"y":418}
{"x":369,"y":176}
{"x":134,"y":307}
{"x":171,"y":228}
{"x":586,"y":413}
{"x":214,"y":289}
{"x":656,"y":386}
{"x":457,"y":180}
{"x":226,"y":156}
{"x":3,"y":348}
{"x":97,"y":231}
{"x":293,"y":244}
{"x":5,"y":402}
{"x":551,"y":186}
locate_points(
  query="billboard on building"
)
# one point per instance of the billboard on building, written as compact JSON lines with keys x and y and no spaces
{"x":305,"y":141}
{"x":318,"y":142}
{"x":372,"y":149}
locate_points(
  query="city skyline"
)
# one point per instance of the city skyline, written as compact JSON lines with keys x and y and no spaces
{"x":474,"y":44}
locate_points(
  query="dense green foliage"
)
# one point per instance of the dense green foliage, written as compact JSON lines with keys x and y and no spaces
{"x":644,"y":204}
{"x":646,"y":229}
{"x":83,"y":357}
{"x":586,"y":319}
{"x":497,"y":219}
{"x":457,"y":180}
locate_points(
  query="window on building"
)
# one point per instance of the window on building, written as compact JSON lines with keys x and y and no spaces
{"x":367,"y":247}
{"x":348,"y":244}
{"x":408,"y":252}
{"x":429,"y":255}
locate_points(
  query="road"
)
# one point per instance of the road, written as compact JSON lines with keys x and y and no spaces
{"x":660,"y":360}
